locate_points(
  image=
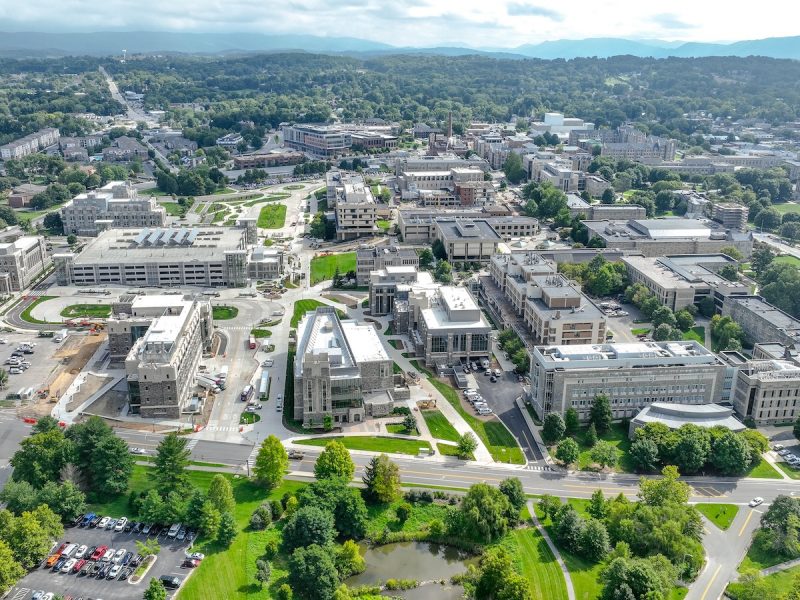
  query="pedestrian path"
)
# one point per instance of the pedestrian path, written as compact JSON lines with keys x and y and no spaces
{"x":192,"y":443}
{"x":251,"y":460}
{"x":227,"y":428}
{"x":535,"y":467}
{"x":554,"y":550}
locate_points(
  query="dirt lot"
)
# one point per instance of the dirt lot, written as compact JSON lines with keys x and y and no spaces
{"x":73,"y":355}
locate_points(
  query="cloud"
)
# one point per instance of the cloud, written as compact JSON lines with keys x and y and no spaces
{"x":518,"y":9}
{"x":668,"y":21}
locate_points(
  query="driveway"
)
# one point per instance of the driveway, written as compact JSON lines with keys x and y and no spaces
{"x":500,"y":396}
{"x":168,"y":563}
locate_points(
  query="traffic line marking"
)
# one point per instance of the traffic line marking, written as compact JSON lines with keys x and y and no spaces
{"x":746,"y":521}
{"x":710,"y":583}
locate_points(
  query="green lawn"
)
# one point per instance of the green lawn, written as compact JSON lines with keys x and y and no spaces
{"x":324,"y":267}
{"x":301,"y":307}
{"x":778,"y":584}
{"x":450,"y":450}
{"x":790,"y":471}
{"x":383,"y":224}
{"x":584,"y":574}
{"x":759,"y":558}
{"x":536,"y":562}
{"x":722,"y":515}
{"x":400,"y":428}
{"x":697,"y":333}
{"x":247,"y":418}
{"x":153,"y":192}
{"x":787,"y":207}
{"x":640,"y":331}
{"x":26,"y":314}
{"x":272,"y":216}
{"x":96,"y":311}
{"x":260,"y":333}
{"x":225,"y":190}
{"x":763,"y":470}
{"x":618,"y":436}
{"x":439,"y":426}
{"x":372,"y":444}
{"x":174,"y":209}
{"x":498,"y":440}
{"x":787,"y":259}
{"x":223,"y":313}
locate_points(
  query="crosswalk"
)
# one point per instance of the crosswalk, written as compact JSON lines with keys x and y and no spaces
{"x":531,"y":467}
{"x":251,"y":460}
{"x":192,"y":443}
{"x":221,"y":428}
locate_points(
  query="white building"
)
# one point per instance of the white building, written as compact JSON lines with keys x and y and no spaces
{"x":115,"y":205}
{"x":30,"y":143}
{"x":21,"y":261}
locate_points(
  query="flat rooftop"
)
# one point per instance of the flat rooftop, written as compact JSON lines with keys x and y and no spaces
{"x":768,"y":312}
{"x":467,"y":230}
{"x":182,"y":244}
{"x":364,"y":342}
{"x":676,"y":415}
{"x":654,"y":229}
{"x":635,"y":351}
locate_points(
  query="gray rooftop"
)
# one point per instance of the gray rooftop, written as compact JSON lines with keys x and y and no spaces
{"x":467,"y":230}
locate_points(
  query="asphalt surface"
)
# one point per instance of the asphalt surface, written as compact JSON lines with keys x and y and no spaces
{"x":13,"y":316}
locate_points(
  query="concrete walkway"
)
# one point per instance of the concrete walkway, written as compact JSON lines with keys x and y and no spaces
{"x":781,"y":567}
{"x":770,"y":458}
{"x":554,"y":550}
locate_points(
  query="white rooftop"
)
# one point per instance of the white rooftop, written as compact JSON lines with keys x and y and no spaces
{"x":364,"y":342}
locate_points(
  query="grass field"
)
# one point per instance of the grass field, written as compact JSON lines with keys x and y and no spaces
{"x":793,"y":473}
{"x":787,"y":207}
{"x":758,"y":558}
{"x":640,"y":331}
{"x":535,"y":561}
{"x":777,"y":584}
{"x":25,"y":315}
{"x":153,"y":192}
{"x":324,"y":267}
{"x":223,"y":313}
{"x":247,"y":418}
{"x":618,"y":436}
{"x":450,"y":450}
{"x":383,"y":224}
{"x":96,"y":311}
{"x":787,"y":259}
{"x":721,"y":515}
{"x":260,"y":333}
{"x":272,"y":216}
{"x":301,"y":307}
{"x":174,"y":209}
{"x":498,"y":440}
{"x":763,"y":470}
{"x":401,"y":429}
{"x":697,"y":333}
{"x":439,"y":426}
{"x":371,"y":444}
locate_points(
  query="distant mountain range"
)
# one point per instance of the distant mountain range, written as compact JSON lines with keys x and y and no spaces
{"x":25,"y":44}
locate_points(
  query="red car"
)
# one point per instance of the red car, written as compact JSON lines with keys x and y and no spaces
{"x":98,"y":553}
{"x":79,"y":565}
{"x":190,"y":563}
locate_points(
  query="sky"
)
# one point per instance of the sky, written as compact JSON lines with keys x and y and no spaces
{"x":472,"y":23}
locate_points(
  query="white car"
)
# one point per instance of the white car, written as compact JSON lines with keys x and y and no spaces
{"x":121,"y":524}
{"x":267,"y":363}
{"x":119,"y":555}
{"x":135,"y":450}
{"x":81,"y":551}
{"x":103,"y":522}
{"x":112,"y":574}
{"x":108,"y":555}
{"x":3,"y":341}
{"x":756,"y":501}
{"x":65,"y":568}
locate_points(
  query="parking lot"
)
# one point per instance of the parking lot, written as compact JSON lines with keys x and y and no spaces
{"x":169,"y":562}
{"x":42,"y":363}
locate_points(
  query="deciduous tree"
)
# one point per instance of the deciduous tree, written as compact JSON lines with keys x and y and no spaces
{"x":334,"y":461}
{"x":271,"y":463}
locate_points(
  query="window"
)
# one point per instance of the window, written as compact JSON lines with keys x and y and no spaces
{"x":439,"y":343}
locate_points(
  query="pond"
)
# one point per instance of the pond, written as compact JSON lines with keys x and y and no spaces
{"x":422,"y":561}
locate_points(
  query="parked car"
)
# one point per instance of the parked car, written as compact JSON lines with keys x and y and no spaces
{"x":78,"y":565}
{"x":59,"y":563}
{"x":129,"y":526}
{"x":98,"y":553}
{"x":493,"y":379}
{"x":197,"y":555}
{"x":119,"y":555}
{"x":81,"y":551}
{"x":77,"y":520}
{"x":111,"y":524}
{"x":170,"y":581}
{"x":108,"y":555}
{"x":295,"y":455}
{"x":190,"y":563}
{"x":87,"y":568}
{"x":173,"y":531}
{"x":125,"y":574}
{"x":147,"y":527}
{"x":112,"y":574}
{"x":120,"y":526}
{"x":137,"y":559}
{"x":181,"y":535}
{"x":95,"y":522}
{"x":126,"y":559}
{"x":103,"y":522}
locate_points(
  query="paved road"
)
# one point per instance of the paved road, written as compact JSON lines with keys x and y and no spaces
{"x":13,"y":316}
{"x":777,"y":244}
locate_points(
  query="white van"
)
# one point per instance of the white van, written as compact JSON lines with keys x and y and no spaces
{"x":173,"y":531}
{"x":69,"y":550}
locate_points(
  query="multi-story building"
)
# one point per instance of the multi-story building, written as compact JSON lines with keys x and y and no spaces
{"x":355,"y":208}
{"x":22,"y":195}
{"x":328,"y":141}
{"x":30,"y":143}
{"x":230,"y":140}
{"x":660,"y":237}
{"x":467,"y":240}
{"x":761,"y":321}
{"x":264,"y":263}
{"x":21,"y":261}
{"x":384,"y":282}
{"x":524,"y":290}
{"x":730,"y":215}
{"x":627,"y":142}
{"x":682,"y":280}
{"x":456,"y":186}
{"x":442,"y":162}
{"x":203,"y":256}
{"x":631,"y":375}
{"x":116,"y":205}
{"x":444,"y":323}
{"x":124,"y":149}
{"x":768,"y":391}
{"x":165,"y":336}
{"x":265,"y":160}
{"x":561,"y":126}
{"x":380,"y":257}
{"x":341,"y":370}
{"x":419,"y":225}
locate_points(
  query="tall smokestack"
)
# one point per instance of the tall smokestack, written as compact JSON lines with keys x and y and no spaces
{"x":449,"y":125}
